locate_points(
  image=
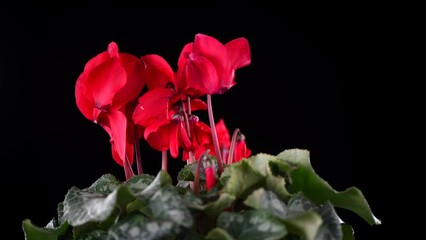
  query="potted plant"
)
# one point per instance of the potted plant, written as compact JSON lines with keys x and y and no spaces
{"x":223,"y":192}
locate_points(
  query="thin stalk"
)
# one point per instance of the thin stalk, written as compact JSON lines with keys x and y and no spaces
{"x":214,"y":133}
{"x":128,"y":172}
{"x":188,"y":130}
{"x":138,"y":153}
{"x":164,"y":160}
{"x":197,"y":177}
{"x":188,"y":99}
{"x":232,"y":147}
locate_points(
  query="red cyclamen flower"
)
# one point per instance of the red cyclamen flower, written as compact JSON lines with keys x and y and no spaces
{"x":209,"y":66}
{"x":240,"y":150}
{"x":109,"y":82}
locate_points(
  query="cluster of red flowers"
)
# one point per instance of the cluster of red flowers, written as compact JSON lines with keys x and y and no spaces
{"x":110,"y":93}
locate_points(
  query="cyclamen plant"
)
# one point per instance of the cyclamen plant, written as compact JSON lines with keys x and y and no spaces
{"x":223,"y":192}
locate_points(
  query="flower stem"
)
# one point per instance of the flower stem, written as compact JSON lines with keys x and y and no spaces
{"x":128,"y":172}
{"x":188,"y":99}
{"x":214,"y":133}
{"x":197,"y":177}
{"x":232,"y":147}
{"x":188,"y":130}
{"x":164,"y":160}
{"x":138,"y":153}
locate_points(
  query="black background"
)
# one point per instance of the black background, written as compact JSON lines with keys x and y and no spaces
{"x":312,"y":84}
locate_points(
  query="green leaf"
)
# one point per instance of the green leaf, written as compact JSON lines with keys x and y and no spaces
{"x":348,"y":232}
{"x":191,"y":199}
{"x":251,"y":224}
{"x":299,"y":204}
{"x":279,"y":167}
{"x":83,"y":206}
{"x":138,"y":205}
{"x":33,"y":232}
{"x":213,"y":209}
{"x":243,"y":179}
{"x":260,"y":162}
{"x":168,"y":205}
{"x":139,"y":182}
{"x":305,"y":179}
{"x":218,"y":234}
{"x":267,"y":201}
{"x":106,"y":184}
{"x":304,"y":224}
{"x":94,"y":235}
{"x":277,"y":184}
{"x":331,"y":227}
{"x":185,"y":174}
{"x":137,"y":227}
{"x":162,"y":179}
{"x":60,"y":210}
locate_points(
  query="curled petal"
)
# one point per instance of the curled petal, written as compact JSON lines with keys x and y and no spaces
{"x":118,"y":125}
{"x":238,"y":53}
{"x":96,"y":61}
{"x":104,"y":82}
{"x":201,"y":74}
{"x":215,"y":52}
{"x":153,"y":105}
{"x":157,"y":135}
{"x":185,"y":142}
{"x":187,"y":49}
{"x":241,"y":151}
{"x":174,"y":139}
{"x":223,"y":134}
{"x":198,"y":104}
{"x":157,"y":71}
{"x":134,"y":80}
{"x":84,"y":99}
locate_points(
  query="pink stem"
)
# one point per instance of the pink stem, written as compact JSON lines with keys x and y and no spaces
{"x":138,"y":153}
{"x":164,"y":160}
{"x":214,"y":133}
{"x":128,"y":172}
{"x":232,"y":147}
{"x":188,"y":130}
{"x":197,"y":177}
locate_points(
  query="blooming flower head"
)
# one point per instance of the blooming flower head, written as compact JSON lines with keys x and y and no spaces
{"x":109,"y":82}
{"x":209,"y":66}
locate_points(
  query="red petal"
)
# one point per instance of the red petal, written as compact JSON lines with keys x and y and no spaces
{"x":129,"y":153}
{"x":210,"y":177}
{"x":187,"y":49}
{"x":215,"y":52}
{"x":158,"y":72}
{"x":223,"y":134}
{"x":203,"y":134}
{"x":239,"y":52}
{"x":157,"y":134}
{"x":113,"y":49}
{"x":135,"y":81}
{"x":174,"y":142}
{"x":201,"y":75}
{"x":241,"y":151}
{"x":84,"y":98}
{"x":96,"y":61}
{"x":105,"y":81}
{"x":152,"y":106}
{"x":118,"y":124}
{"x":183,"y":137}
{"x":198,"y":104}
